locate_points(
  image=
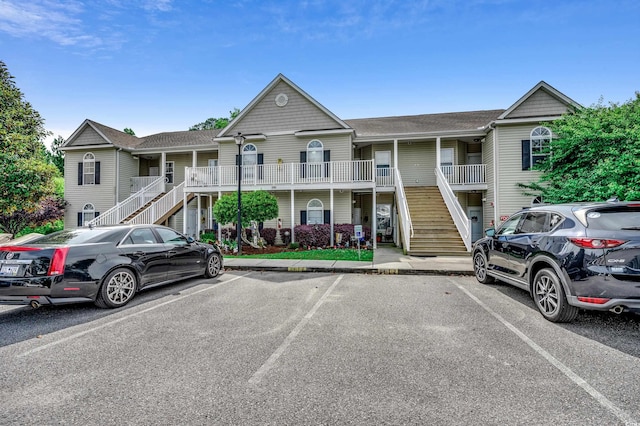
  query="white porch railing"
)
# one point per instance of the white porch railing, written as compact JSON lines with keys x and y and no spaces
{"x":465,"y":174}
{"x":455,"y":209}
{"x":139,"y":182}
{"x":403,"y":208}
{"x":125,"y":208}
{"x":287,"y":174}
{"x":159,"y":208}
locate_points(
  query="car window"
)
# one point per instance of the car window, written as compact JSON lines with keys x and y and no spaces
{"x":614,"y":219}
{"x":509,"y":227}
{"x":140,"y":236}
{"x":170,"y":236}
{"x":535,"y":223}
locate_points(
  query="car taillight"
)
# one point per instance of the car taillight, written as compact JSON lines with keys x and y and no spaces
{"x":57,"y":261}
{"x":596,"y":243}
{"x":594,"y":300}
{"x":18,"y":248}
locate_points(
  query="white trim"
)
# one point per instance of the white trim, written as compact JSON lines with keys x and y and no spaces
{"x":311,"y":133}
{"x":547,"y":88}
{"x":86,"y":147}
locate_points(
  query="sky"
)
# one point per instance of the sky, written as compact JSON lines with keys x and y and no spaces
{"x":165,"y":65}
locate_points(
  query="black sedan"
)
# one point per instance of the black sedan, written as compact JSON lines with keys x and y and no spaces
{"x":104,"y":265}
{"x":568,"y":256}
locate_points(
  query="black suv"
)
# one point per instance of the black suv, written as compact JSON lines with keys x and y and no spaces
{"x":568,"y":256}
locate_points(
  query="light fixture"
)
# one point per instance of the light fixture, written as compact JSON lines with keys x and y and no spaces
{"x":239,"y":141}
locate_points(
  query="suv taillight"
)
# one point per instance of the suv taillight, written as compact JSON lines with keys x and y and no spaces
{"x":596,"y":243}
{"x":57,"y":261}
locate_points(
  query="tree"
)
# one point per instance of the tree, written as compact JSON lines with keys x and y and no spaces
{"x":257,"y":206}
{"x":216,"y":123}
{"x":129,"y":131}
{"x":595,"y":156}
{"x":56,"y":156}
{"x":26,"y":177}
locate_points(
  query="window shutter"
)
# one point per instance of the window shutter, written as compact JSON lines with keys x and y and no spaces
{"x":237,"y":160}
{"x":526,"y":155}
{"x":80,"y":171}
{"x":260,"y":163}
{"x":303,"y":167}
{"x":327,"y":217}
{"x":79,"y":218}
{"x":326,"y":158}
{"x":97,"y":176}
{"x":96,"y":214}
{"x":303,"y":217}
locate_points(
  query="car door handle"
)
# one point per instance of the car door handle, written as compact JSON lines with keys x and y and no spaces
{"x":139,"y":253}
{"x":171,"y":252}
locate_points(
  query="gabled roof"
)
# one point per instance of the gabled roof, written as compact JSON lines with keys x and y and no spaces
{"x":228,"y":131}
{"x":553,"y":92}
{"x":179,"y":139}
{"x":110,"y":135}
{"x":424,"y":123}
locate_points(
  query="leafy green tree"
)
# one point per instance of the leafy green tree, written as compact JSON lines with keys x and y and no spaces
{"x":56,"y":156}
{"x":129,"y":131}
{"x":257,"y":206}
{"x":26,"y":176}
{"x":595,"y":156}
{"x":216,"y":123}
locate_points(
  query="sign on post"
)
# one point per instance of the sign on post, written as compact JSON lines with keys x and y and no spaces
{"x":357,"y":229}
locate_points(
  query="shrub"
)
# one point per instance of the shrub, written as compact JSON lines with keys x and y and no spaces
{"x":313,"y":235}
{"x":208,"y":237}
{"x":269,"y":235}
{"x":294,"y":246}
{"x":47,"y":228}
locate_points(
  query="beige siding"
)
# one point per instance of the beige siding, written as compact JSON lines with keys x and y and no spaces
{"x":510,"y":173}
{"x":180,"y":162}
{"x":487,"y":158}
{"x":539,"y":104}
{"x":89,"y":137}
{"x":102,"y":196}
{"x":298,"y":114}
{"x":129,"y":167}
{"x":417,"y":163}
{"x":204,"y":157}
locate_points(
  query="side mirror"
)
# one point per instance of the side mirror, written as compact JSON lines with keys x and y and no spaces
{"x":190,"y":240}
{"x":490,"y":232}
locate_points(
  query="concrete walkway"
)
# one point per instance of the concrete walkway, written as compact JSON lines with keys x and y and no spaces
{"x":386,"y":260}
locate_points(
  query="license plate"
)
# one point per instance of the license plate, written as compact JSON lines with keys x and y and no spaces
{"x":9,"y":270}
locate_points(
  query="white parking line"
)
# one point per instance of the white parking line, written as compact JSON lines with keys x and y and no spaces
{"x":616,"y":411}
{"x":268,"y":365}
{"x":126,"y":317}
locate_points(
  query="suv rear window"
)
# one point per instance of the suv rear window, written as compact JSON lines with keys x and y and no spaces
{"x":614,"y":219}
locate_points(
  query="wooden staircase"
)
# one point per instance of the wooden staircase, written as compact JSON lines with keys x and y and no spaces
{"x":141,"y":209}
{"x":434,"y":233}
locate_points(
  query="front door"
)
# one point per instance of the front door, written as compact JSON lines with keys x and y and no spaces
{"x":475,"y":215}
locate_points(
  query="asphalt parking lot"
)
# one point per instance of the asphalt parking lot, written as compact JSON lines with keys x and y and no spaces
{"x":306,"y":348}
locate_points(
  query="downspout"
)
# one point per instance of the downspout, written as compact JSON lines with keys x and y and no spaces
{"x":117,"y":200}
{"x":496,"y":158}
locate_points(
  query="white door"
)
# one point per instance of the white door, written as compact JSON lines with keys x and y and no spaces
{"x":475,"y":214}
{"x":192,"y":217}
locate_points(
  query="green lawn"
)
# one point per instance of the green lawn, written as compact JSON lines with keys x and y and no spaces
{"x":326,"y":254}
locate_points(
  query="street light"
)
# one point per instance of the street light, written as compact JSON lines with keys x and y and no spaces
{"x":239,"y":141}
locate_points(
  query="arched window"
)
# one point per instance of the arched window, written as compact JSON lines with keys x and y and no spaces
{"x":540,"y":141}
{"x":88,"y":169}
{"x":315,"y":212}
{"x":249,"y":160}
{"x":315,"y":157}
{"x":88,"y":213}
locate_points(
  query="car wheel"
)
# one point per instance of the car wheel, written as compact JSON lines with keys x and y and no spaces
{"x":480,"y":268}
{"x":550,"y":298}
{"x":117,"y":289}
{"x":214,"y":265}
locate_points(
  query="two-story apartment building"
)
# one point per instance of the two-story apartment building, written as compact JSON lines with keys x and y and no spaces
{"x":430,"y":183}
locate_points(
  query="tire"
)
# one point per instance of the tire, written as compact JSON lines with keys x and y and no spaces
{"x":480,"y":268}
{"x":117,"y":289}
{"x":214,"y":264}
{"x":550,"y":299}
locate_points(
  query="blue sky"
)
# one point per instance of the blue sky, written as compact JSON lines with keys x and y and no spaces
{"x":164,"y":65}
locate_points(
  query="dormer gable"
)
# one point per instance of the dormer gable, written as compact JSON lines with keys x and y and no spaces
{"x":93,"y":134}
{"x":542,"y":100}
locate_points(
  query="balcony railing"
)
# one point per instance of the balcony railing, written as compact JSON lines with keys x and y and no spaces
{"x":465,"y":175}
{"x":139,"y":182}
{"x":333,"y":172}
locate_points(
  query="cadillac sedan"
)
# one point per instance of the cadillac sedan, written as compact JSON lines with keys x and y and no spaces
{"x":103,"y":265}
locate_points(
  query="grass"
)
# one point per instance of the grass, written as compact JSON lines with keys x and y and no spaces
{"x":325,"y":254}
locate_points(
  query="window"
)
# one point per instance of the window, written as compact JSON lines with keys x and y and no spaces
{"x":383,"y":163}
{"x":88,"y":169}
{"x":315,"y":213}
{"x":249,"y":161}
{"x":140,"y":236}
{"x":172,"y":237}
{"x":509,"y":227}
{"x":88,"y":213}
{"x":315,"y":157}
{"x":168,"y":171}
{"x":540,"y":140}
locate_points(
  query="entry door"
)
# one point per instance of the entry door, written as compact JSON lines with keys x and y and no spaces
{"x":475,"y":214}
{"x":446,"y":162}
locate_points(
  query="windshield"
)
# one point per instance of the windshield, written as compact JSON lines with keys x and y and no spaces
{"x":614,"y":219}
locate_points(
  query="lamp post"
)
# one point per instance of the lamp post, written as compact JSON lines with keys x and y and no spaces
{"x":239,"y":141}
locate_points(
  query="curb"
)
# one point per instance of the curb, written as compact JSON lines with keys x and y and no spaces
{"x":370,"y":270}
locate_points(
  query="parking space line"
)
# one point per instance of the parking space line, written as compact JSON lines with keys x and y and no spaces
{"x":268,"y":365}
{"x":603,"y":400}
{"x":126,"y":317}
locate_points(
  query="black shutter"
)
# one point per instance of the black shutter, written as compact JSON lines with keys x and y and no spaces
{"x":260,"y":163}
{"x":303,"y":217}
{"x":80,"y":170}
{"x":303,"y":167}
{"x":526,"y":155}
{"x":327,"y":217}
{"x":96,"y":214}
{"x":79,"y":218}
{"x":326,"y":159}
{"x":97,"y":181}
{"x":237,"y":160}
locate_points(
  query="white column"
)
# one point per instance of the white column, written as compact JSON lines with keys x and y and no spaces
{"x":210,"y":212}
{"x":374,"y":222}
{"x":199,"y":223}
{"x":194,"y":159}
{"x":219,"y":224}
{"x":163,"y":165}
{"x":293,"y":212}
{"x":438,"y":152}
{"x":331,"y":243}
{"x":395,"y":154}
{"x":184,"y":213}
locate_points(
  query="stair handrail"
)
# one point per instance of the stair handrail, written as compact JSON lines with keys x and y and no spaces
{"x":160,"y":207}
{"x":129,"y":205}
{"x":460,"y":219}
{"x":403,"y":209}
